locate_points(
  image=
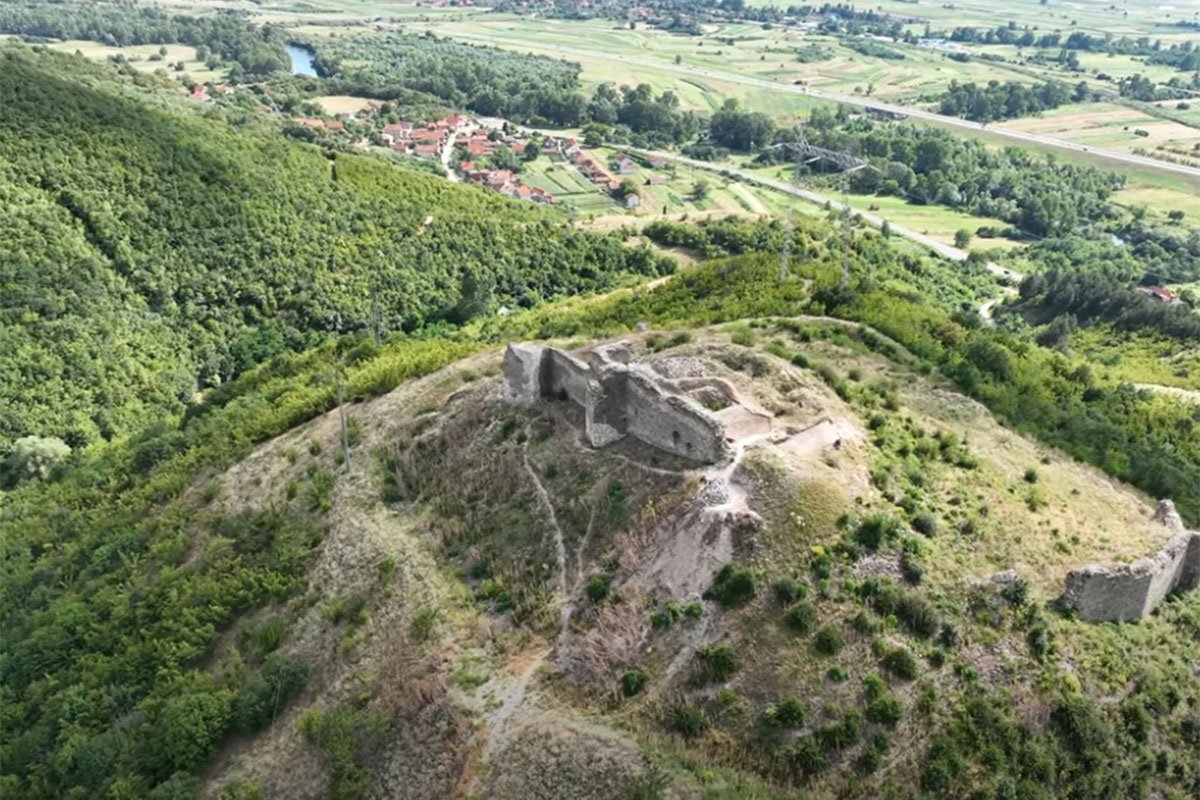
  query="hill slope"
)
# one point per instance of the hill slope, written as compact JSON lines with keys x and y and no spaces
{"x":152,"y":251}
{"x":480,"y":604}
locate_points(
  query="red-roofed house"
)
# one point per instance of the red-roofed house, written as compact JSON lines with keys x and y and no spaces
{"x":1162,"y":295}
{"x":624,"y":166}
{"x":200,"y":94}
{"x":309,"y":122}
{"x":426,"y":151}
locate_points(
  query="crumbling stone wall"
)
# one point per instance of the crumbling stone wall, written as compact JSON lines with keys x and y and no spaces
{"x":672,"y":422}
{"x":619,"y":398}
{"x":1132,"y":591}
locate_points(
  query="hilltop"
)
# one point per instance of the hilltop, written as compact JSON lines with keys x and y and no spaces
{"x":477,"y":602}
{"x":554,"y":622}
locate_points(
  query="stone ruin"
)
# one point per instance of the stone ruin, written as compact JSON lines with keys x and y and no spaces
{"x":1132,"y":591}
{"x":618,"y":396}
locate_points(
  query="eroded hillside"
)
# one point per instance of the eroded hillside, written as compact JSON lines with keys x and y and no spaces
{"x":857,"y":602}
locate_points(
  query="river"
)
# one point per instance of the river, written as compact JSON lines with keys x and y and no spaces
{"x":302,"y":59}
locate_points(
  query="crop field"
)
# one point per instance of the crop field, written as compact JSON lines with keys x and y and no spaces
{"x":1113,"y":126}
{"x":140,"y":57}
{"x":1135,"y":18}
{"x":742,"y":49}
{"x":342,"y":103}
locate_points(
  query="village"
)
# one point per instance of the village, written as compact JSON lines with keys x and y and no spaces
{"x":485,"y":151}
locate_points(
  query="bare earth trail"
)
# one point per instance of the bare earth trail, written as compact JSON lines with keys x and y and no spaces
{"x":1190,"y":173}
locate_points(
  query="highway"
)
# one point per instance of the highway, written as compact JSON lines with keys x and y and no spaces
{"x":1189,"y":173}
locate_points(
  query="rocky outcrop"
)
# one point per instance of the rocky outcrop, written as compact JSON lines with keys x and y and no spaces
{"x":1132,"y":591}
{"x":619,"y":398}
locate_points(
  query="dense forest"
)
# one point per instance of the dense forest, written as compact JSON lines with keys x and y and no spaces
{"x":154,"y":253}
{"x":257,"y":50}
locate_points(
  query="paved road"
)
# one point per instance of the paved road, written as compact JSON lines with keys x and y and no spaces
{"x":1192,"y":174}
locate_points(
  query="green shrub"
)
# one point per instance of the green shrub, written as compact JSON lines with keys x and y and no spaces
{"x":789,"y":590}
{"x":864,"y":623}
{"x":1040,"y":640}
{"x":872,"y":756}
{"x":829,"y":640}
{"x":1031,"y":475}
{"x":686,"y":719}
{"x":911,"y":567}
{"x":800,"y":617}
{"x":925,"y":524}
{"x":257,"y":705}
{"x":733,"y":586}
{"x":874,"y":687}
{"x":694,"y":610}
{"x":648,"y":785}
{"x":807,"y":758}
{"x":715,"y":664}
{"x":269,"y":635}
{"x":901,"y":663}
{"x":885,"y":710}
{"x":743,"y":336}
{"x":876,"y":529}
{"x":1016,"y":592}
{"x":787,"y":713}
{"x":681,"y":338}
{"x":633,"y":680}
{"x":423,"y":623}
{"x":841,"y":734}
{"x":836,"y":674}
{"x":597,"y":588}
{"x":913,"y":611}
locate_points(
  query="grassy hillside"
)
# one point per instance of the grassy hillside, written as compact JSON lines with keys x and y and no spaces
{"x":165,"y":610}
{"x":152,"y":251}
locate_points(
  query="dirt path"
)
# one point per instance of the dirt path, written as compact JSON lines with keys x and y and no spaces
{"x":756,"y":205}
{"x":560,"y":547}
{"x":513,"y":697}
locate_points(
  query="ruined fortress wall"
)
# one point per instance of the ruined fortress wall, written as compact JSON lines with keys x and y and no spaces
{"x":1189,"y":577}
{"x":1132,"y":591}
{"x":673,"y":423}
{"x":523,"y":374}
{"x":565,"y":377}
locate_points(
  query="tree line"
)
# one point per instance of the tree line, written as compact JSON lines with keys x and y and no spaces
{"x":258,"y":50}
{"x":1009,"y":100}
{"x":492,"y":82}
